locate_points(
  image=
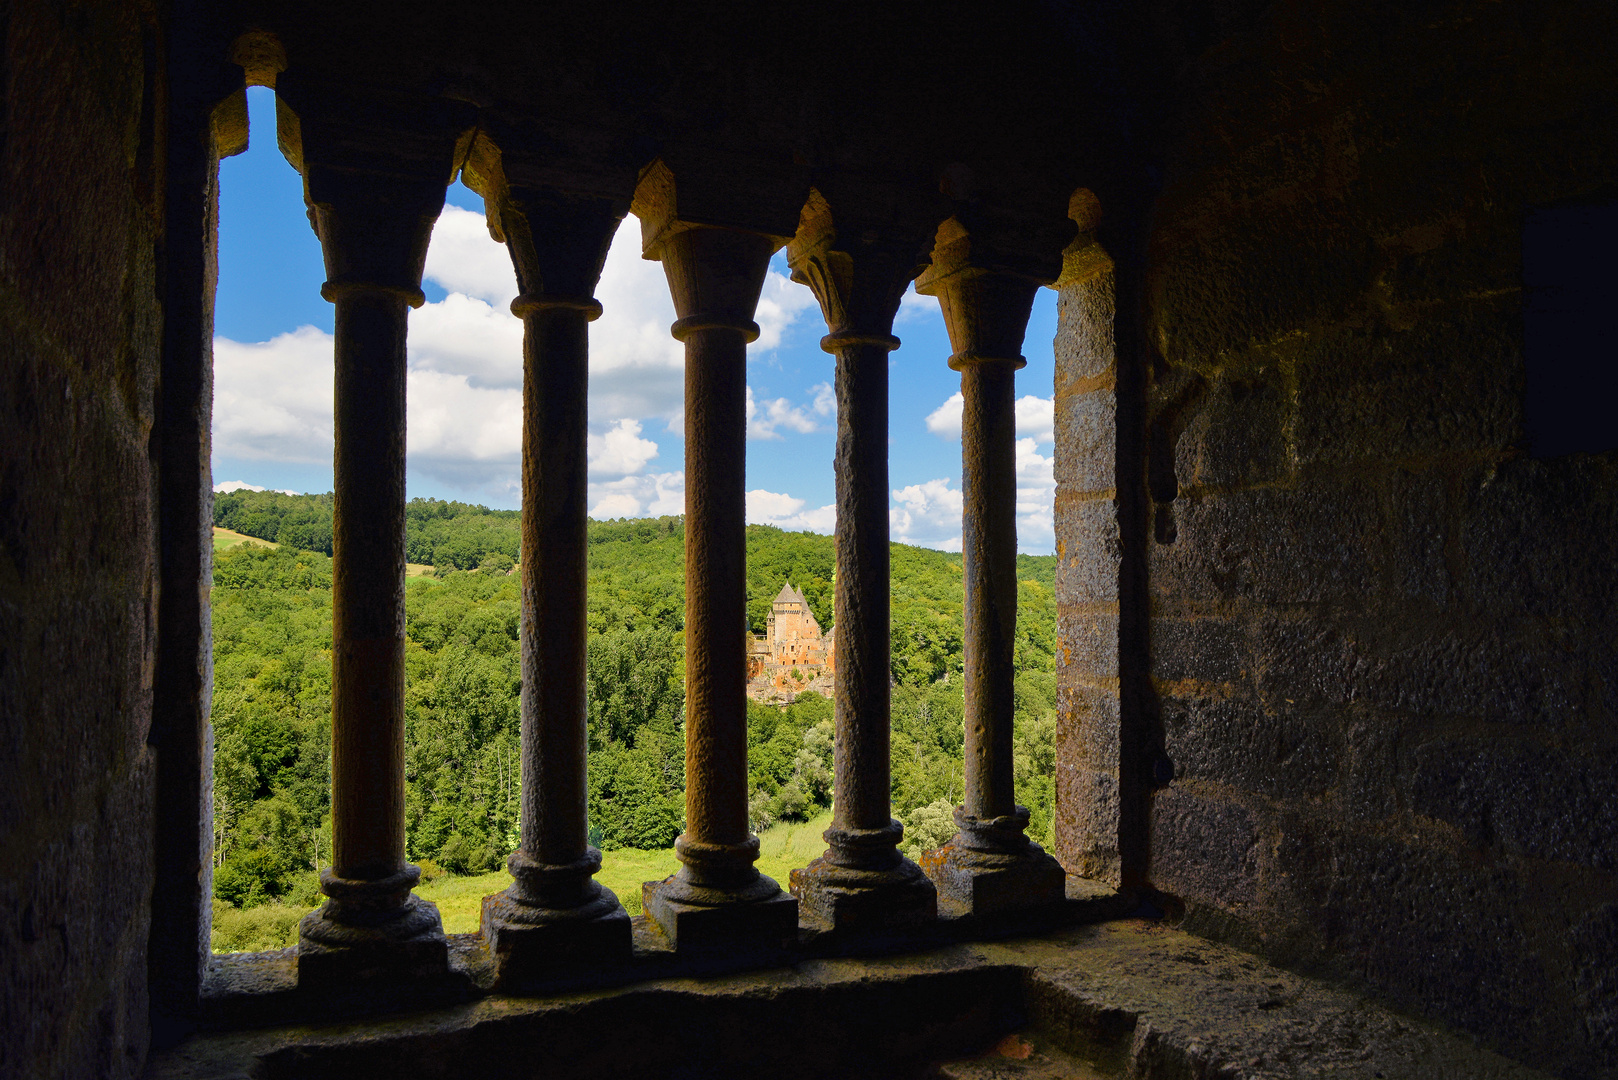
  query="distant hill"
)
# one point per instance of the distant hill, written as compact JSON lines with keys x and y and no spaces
{"x":453,"y":535}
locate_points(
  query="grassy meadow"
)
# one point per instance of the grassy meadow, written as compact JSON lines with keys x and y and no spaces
{"x":225,"y":539}
{"x":782,"y":847}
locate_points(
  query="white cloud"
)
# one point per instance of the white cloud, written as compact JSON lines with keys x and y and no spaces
{"x":779,"y":305}
{"x":636,"y":368}
{"x":786,"y":512}
{"x":1036,"y":498}
{"x":914,"y":307}
{"x":463,"y":335}
{"x":653,"y":494}
{"x":464,"y":258}
{"x":273,"y":399}
{"x":763,"y":505}
{"x":464,"y":435}
{"x":927,"y":514}
{"x":620,"y":450}
{"x":945,"y":421}
{"x":1036,"y":417}
{"x":764,"y":417}
{"x":825,"y":399}
{"x":242,"y":485}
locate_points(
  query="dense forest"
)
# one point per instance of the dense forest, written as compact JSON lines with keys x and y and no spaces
{"x":272,"y":679}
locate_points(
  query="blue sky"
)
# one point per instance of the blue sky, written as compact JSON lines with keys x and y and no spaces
{"x":273,"y":380}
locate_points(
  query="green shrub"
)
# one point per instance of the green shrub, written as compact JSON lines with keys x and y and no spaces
{"x":256,"y":929}
{"x":928,"y":827}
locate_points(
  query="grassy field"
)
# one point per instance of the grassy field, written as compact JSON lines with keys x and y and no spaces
{"x":224,"y":539}
{"x":782,"y":847}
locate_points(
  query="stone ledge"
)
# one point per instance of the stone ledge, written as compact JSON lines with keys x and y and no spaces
{"x":1131,"y":998}
{"x":257,"y":989}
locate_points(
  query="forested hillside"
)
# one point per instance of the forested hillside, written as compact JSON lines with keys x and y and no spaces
{"x":448,"y":535}
{"x":271,"y":714}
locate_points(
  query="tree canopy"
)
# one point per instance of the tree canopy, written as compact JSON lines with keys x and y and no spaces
{"x":272,"y":704}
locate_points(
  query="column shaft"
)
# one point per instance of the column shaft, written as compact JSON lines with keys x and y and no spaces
{"x":863,"y":776}
{"x":554,"y":796}
{"x":374,"y":226}
{"x":990,"y":866}
{"x":368,"y":565}
{"x":862,"y":884}
{"x":989,"y":555}
{"x":718,"y":899}
{"x":716,"y":597}
{"x":554,"y":912}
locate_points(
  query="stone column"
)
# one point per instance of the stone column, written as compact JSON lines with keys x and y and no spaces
{"x":718,"y":898}
{"x":862,"y":882}
{"x":990,"y":865}
{"x":374,"y":229}
{"x":555,"y":912}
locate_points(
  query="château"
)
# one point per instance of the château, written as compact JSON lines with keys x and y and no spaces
{"x":793,"y":655}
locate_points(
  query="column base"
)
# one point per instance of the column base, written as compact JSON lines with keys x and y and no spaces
{"x":761,"y":917}
{"x":992,"y":883}
{"x":410,"y":945}
{"x":850,"y":901}
{"x":530,"y":942}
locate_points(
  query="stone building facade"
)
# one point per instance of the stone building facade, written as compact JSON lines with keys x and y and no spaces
{"x":792,"y":655}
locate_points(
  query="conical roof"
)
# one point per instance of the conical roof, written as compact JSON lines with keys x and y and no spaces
{"x":789,"y":595}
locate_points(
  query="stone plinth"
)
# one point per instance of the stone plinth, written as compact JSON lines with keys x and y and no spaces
{"x":988,"y":884}
{"x":766,"y":924}
{"x":528,"y":942}
{"x":854,"y":901}
{"x":367,"y":932}
{"x":991,"y":868}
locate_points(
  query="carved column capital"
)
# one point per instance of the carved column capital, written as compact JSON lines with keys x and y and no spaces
{"x":985,"y":306}
{"x":1084,"y":257}
{"x":715,"y":268}
{"x":858,"y":275}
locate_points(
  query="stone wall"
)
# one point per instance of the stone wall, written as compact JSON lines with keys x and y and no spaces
{"x":80,"y":108}
{"x":1382,"y":640}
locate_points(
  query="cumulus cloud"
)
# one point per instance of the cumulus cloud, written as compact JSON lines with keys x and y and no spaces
{"x":914,"y":307}
{"x":648,"y":494}
{"x":273,"y":399}
{"x":927,"y":514}
{"x":1036,"y":417}
{"x":787,"y":512}
{"x":242,"y":485}
{"x":825,"y":403}
{"x":464,"y":258}
{"x":779,"y":305}
{"x":620,"y":450}
{"x":636,"y":368}
{"x":765,"y":417}
{"x":1036,"y":498}
{"x":464,"y":335}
